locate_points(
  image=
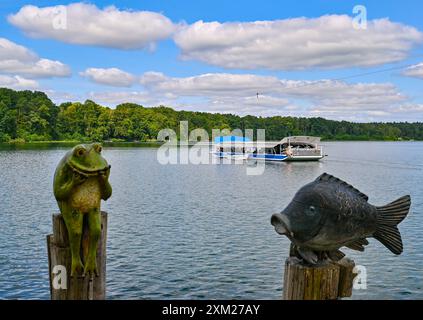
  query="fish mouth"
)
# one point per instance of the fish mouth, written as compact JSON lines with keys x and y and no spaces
{"x":281,"y":224}
{"x":86,"y":172}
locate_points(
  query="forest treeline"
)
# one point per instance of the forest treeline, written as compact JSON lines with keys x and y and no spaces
{"x":32,"y":116}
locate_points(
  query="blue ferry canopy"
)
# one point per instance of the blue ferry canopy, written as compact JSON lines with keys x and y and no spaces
{"x":223,"y":139}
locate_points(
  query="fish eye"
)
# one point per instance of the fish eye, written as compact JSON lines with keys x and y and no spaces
{"x":311,"y":210}
{"x":79,"y":152}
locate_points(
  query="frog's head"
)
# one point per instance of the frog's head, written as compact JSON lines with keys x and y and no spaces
{"x":86,"y":159}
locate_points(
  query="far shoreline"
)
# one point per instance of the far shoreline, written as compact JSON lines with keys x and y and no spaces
{"x":158,"y":143}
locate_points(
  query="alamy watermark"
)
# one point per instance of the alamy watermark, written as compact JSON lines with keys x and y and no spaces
{"x":360,"y":280}
{"x":194,"y":147}
{"x":59,"y":278}
{"x":359,"y":21}
{"x":59,"y":20}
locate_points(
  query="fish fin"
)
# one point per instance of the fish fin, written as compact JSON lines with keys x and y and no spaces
{"x":388,"y":218}
{"x":293,"y":252}
{"x":358,"y":244}
{"x":308,"y":255}
{"x":328,"y":177}
{"x":335,"y":255}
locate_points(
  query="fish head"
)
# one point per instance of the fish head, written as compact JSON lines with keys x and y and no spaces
{"x":303,"y":218}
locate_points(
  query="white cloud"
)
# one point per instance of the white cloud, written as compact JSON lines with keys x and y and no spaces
{"x":297,"y":44}
{"x":237,"y":93}
{"x":332,"y":95}
{"x":415,"y":71}
{"x":409,"y":108}
{"x":18,"y":83}
{"x":339,"y":100}
{"x":217,"y":92}
{"x":261,"y":106}
{"x":209,"y":84}
{"x":391,"y":114}
{"x":9,"y":50}
{"x":225,"y":85}
{"x":42,"y":68}
{"x":85,"y":24}
{"x":117,"y":97}
{"x":16,"y":59}
{"x":111,"y":76}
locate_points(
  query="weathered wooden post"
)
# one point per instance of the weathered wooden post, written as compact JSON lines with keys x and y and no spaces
{"x":324,"y":281}
{"x":59,"y":254}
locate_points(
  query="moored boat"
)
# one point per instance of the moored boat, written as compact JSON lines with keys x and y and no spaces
{"x":294,"y":148}
{"x":302,"y":148}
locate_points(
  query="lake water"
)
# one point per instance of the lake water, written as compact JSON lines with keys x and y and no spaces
{"x":203,"y":231}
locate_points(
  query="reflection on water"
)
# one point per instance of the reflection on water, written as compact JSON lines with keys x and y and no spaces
{"x":203,"y":231}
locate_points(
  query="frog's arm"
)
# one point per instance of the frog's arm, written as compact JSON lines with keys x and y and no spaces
{"x":106,"y":191}
{"x":106,"y":188}
{"x":62,"y":185}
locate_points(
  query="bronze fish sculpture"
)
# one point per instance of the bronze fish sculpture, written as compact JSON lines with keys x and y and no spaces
{"x":328,"y":214}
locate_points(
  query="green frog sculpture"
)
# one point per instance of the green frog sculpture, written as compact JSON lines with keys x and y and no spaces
{"x":81,"y":180}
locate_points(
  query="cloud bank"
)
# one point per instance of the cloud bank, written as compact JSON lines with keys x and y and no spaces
{"x":110,"y":76}
{"x":268,"y":95}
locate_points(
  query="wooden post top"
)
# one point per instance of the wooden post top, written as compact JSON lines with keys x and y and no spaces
{"x":325,"y":281}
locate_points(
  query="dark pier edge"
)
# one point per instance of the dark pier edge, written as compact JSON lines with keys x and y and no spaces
{"x":77,"y":288}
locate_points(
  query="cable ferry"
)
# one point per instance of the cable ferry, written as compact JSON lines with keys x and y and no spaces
{"x":295,"y":148}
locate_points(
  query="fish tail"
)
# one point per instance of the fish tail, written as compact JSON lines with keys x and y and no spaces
{"x":389,"y":216}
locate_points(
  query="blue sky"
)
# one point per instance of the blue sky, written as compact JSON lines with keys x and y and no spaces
{"x":217,"y":55}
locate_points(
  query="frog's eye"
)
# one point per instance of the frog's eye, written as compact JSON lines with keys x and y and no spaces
{"x":79,"y":152}
{"x":98,"y":148}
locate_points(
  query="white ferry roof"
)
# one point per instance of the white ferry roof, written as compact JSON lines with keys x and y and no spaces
{"x":300,"y":140}
{"x":260,"y":144}
{"x":223,"y":139}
